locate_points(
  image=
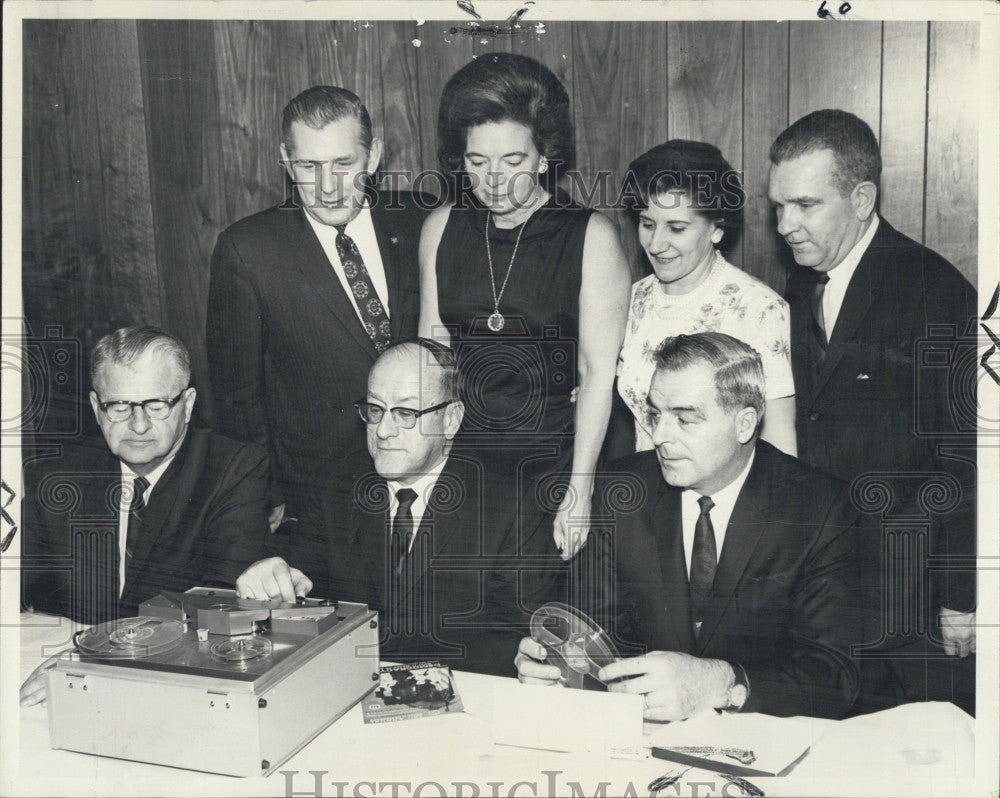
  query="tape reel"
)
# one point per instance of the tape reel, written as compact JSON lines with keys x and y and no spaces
{"x":574,"y":644}
{"x":241,"y":650}
{"x":130,"y":638}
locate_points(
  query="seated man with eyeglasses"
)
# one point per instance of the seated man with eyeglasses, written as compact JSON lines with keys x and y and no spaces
{"x":156,"y":506}
{"x":429,"y":540}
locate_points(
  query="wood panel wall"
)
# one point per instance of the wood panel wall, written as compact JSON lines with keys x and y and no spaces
{"x":144,"y":139}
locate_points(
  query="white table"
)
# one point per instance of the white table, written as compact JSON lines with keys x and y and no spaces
{"x":919,"y":749}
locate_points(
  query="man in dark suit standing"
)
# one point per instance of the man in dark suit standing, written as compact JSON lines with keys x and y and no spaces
{"x":735,"y":565}
{"x":304,"y":296}
{"x":432,"y":542}
{"x":157,"y":506}
{"x":877,"y":323}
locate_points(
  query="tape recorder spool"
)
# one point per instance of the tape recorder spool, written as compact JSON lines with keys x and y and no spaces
{"x":240,"y":650}
{"x":130,"y":638}
{"x":574,"y":643}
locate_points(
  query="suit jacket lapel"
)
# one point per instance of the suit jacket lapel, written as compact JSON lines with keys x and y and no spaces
{"x":102,"y":498}
{"x":373,"y":542}
{"x":315,"y":270}
{"x":746,"y":526}
{"x":154,"y":517}
{"x":857,"y":302}
{"x":798,"y":293}
{"x":669,"y":536}
{"x":434,"y":534}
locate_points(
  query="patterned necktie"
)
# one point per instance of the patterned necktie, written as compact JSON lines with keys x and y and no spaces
{"x":135,"y":508}
{"x":402,"y":528}
{"x":703,"y":561}
{"x":373,"y":312}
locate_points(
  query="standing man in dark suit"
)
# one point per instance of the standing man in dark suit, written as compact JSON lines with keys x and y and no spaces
{"x":434,"y":542}
{"x":157,"y":506}
{"x":736,"y":565}
{"x":876,"y":328}
{"x":304,"y":296}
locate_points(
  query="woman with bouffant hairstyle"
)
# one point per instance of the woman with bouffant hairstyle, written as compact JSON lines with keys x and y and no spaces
{"x":530,"y":289}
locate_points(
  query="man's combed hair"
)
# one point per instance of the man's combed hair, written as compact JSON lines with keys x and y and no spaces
{"x":433,"y":352}
{"x":850,"y":139}
{"x":502,"y":87}
{"x":318,"y":106}
{"x":739,"y":373}
{"x":127,"y":344}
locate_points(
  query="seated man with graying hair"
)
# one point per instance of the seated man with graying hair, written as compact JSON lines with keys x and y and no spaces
{"x":430,"y":538}
{"x":157,"y":505}
{"x":736,"y":568}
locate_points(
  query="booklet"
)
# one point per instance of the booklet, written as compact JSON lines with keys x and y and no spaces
{"x":414,"y":690}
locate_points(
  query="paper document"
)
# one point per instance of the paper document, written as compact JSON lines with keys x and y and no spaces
{"x":559,"y":719}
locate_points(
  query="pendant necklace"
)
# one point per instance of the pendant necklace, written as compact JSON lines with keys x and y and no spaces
{"x":496,"y":319}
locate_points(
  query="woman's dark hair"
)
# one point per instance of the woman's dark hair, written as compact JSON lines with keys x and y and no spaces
{"x":503,"y":87}
{"x":695,"y":168}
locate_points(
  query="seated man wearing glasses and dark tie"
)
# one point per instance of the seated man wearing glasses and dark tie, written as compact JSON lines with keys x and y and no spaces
{"x":156,"y":506}
{"x":735,"y":565}
{"x":430,"y":540}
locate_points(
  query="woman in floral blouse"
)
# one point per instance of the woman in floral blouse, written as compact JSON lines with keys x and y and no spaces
{"x":688,"y":199}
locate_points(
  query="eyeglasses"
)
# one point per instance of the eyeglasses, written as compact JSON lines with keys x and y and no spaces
{"x":156,"y":409}
{"x":405,"y":417}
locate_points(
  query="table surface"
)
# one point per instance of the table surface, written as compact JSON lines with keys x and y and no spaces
{"x":917,"y":749}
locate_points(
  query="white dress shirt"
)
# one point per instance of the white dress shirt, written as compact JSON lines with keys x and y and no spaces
{"x":724,"y":500}
{"x":840,"y":277}
{"x":362,"y":230}
{"x":128,"y":477}
{"x":422,"y":486}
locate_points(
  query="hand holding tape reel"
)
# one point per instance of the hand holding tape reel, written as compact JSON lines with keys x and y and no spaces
{"x":572,"y":642}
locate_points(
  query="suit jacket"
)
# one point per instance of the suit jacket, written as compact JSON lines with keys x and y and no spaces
{"x":287,"y":351}
{"x":203,"y":524}
{"x":784,"y":602}
{"x":881,"y":402}
{"x":469,"y":582}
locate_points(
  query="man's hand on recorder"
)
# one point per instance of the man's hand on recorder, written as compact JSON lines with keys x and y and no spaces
{"x":272,"y":579}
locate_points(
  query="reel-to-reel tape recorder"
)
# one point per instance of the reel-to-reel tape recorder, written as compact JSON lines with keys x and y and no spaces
{"x":208,"y":681}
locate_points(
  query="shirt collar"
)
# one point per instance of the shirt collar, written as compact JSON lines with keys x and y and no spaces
{"x":422,"y":486}
{"x":841,"y":274}
{"x":152,"y":477}
{"x":724,"y":499}
{"x":363,"y":221}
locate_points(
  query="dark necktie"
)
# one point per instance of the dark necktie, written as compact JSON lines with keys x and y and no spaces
{"x":135,"y":508}
{"x":819,"y":323}
{"x":373,"y":312}
{"x":402,"y":528}
{"x":703,"y":561}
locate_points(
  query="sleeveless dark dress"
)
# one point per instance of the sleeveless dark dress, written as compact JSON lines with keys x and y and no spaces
{"x":518,"y":415}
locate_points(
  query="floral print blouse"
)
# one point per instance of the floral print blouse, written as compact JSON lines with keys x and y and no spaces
{"x":729,"y":301}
